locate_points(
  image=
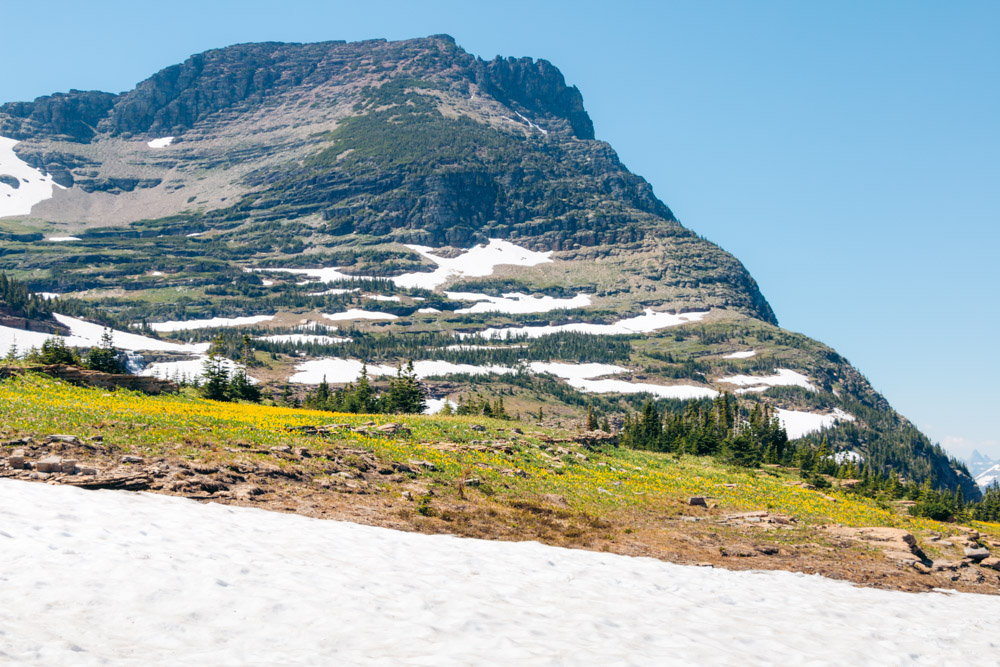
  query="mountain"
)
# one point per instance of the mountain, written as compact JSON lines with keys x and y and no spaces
{"x":985,"y":470}
{"x":406,"y":195}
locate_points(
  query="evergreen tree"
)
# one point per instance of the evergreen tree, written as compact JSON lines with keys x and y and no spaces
{"x":105,"y":358}
{"x":215,"y":374}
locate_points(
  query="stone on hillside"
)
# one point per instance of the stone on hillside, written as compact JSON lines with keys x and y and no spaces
{"x":131,"y":459}
{"x":698,"y":501}
{"x":921,"y":568}
{"x":68,"y":439}
{"x":49,"y":464}
{"x":391,"y":428}
{"x":991,"y":562}
{"x":69,"y":466}
{"x":85,"y":470}
{"x":16,"y":459}
{"x":977,"y":553}
{"x":477,"y":427}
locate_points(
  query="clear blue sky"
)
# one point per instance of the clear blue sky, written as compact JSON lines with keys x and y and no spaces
{"x":848,"y":153}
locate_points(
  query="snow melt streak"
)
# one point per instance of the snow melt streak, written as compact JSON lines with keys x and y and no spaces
{"x":108,"y":576}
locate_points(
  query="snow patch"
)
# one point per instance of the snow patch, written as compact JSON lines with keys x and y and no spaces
{"x":162,"y":142}
{"x":781,"y":378}
{"x":428,"y":311}
{"x":114,"y":577}
{"x":32,"y":185}
{"x":745,"y":354}
{"x":436,"y":405}
{"x":88,"y":334}
{"x":356,"y":314}
{"x":62,"y":239}
{"x":848,"y":455}
{"x":798,"y":424}
{"x":515,"y":302}
{"x":649,"y":321}
{"x":304,"y":339}
{"x":187,"y":325}
{"x":476,"y":262}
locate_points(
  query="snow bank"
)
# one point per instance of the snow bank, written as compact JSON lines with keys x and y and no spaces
{"x":580,"y":376}
{"x":848,"y":455}
{"x":745,"y":354}
{"x":305,"y":338}
{"x":96,"y":577}
{"x":798,"y":424}
{"x":62,"y":239}
{"x":781,"y":378}
{"x":162,"y":142}
{"x":476,"y":262}
{"x":88,"y":334}
{"x":515,"y":302}
{"x":436,"y":405}
{"x":649,"y":321}
{"x":32,"y":185}
{"x":355,"y":314}
{"x":186,"y":325}
{"x":338,"y":370}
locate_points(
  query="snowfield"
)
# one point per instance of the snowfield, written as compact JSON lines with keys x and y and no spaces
{"x":32,"y":185}
{"x":88,"y":334}
{"x":162,"y":142}
{"x":744,"y":354}
{"x":96,"y":577}
{"x":515,"y":302}
{"x":476,"y":262}
{"x":356,"y":314}
{"x":302,"y":339}
{"x":782,"y":378}
{"x":580,"y":376}
{"x":186,"y":325}
{"x":649,"y":321}
{"x":798,"y":424}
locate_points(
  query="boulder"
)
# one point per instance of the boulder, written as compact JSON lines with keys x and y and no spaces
{"x":991,"y":562}
{"x":698,"y":501}
{"x":69,"y":466}
{"x":977,"y":553}
{"x":49,"y":464}
{"x":131,"y":459}
{"x":67,"y":439}
{"x":16,"y":459}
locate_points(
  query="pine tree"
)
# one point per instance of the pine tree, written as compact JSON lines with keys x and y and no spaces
{"x":215,"y":374}
{"x":105,"y":358}
{"x":591,"y":419}
{"x":406,"y":395}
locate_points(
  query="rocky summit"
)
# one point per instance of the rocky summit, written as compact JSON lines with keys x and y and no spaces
{"x":381,"y":202}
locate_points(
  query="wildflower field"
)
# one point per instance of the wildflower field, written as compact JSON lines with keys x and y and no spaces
{"x":508,"y":465}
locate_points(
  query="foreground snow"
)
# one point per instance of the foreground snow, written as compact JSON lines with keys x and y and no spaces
{"x":104,"y":576}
